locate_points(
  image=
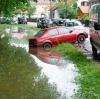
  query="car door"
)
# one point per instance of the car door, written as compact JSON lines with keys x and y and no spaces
{"x":53,"y":36}
{"x":67,"y":36}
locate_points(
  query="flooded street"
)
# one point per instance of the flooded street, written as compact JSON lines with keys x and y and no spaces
{"x":60,"y":72}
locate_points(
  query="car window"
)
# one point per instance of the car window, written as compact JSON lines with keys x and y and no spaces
{"x":63,"y":30}
{"x":70,"y":24}
{"x":52,"y":32}
{"x":76,"y":24}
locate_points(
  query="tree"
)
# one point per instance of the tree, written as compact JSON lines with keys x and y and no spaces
{"x":7,"y":7}
{"x":29,"y":9}
{"x":68,"y":11}
{"x":63,"y":11}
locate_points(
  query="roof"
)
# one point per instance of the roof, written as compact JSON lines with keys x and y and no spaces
{"x":84,"y":9}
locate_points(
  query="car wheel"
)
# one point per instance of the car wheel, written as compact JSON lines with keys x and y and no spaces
{"x":94,"y":50}
{"x":81,"y":38}
{"x":47,"y":45}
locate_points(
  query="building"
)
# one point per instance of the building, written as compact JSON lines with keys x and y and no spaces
{"x":43,"y":8}
{"x":83,"y":8}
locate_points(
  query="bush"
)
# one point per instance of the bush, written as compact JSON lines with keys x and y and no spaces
{"x":85,"y":20}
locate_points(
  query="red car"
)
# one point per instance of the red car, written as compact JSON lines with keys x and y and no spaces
{"x":53,"y":36}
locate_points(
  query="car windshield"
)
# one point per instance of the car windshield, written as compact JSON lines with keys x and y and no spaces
{"x":39,"y":34}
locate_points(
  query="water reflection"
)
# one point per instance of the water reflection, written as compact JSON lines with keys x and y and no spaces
{"x":49,"y":57}
{"x":60,"y":72}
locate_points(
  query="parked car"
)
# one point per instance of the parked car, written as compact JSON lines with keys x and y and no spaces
{"x":6,"y":20}
{"x":53,"y":36}
{"x":95,"y":29}
{"x":22,"y":20}
{"x":58,"y":22}
{"x":61,"y":22}
{"x":74,"y":24}
{"x":44,"y":22}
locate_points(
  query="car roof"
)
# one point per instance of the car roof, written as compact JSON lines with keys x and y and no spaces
{"x":54,"y":27}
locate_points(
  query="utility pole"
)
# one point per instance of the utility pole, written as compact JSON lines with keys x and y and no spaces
{"x":50,"y":10}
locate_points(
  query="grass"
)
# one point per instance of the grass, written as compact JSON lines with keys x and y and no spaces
{"x":19,"y":76}
{"x":89,"y":79}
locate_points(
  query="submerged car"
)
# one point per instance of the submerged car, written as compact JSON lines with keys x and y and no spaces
{"x":53,"y":36}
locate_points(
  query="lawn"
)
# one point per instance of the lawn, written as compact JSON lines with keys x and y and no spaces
{"x":89,"y":78}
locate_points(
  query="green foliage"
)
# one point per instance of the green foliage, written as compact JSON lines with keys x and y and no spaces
{"x":7,"y":7}
{"x":89,"y":78}
{"x":85,"y":17}
{"x":85,"y":20}
{"x":30,"y":10}
{"x":63,"y":11}
{"x":68,"y":11}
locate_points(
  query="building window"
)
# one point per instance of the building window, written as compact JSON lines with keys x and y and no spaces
{"x":83,"y":3}
{"x":88,"y":4}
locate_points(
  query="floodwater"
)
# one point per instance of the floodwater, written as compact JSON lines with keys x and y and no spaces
{"x":60,"y":72}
